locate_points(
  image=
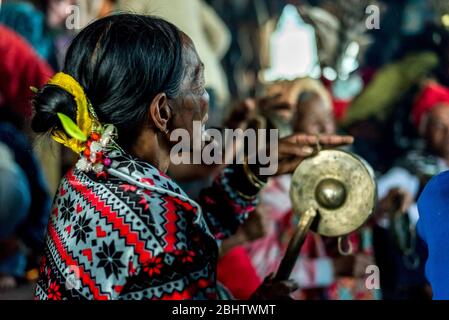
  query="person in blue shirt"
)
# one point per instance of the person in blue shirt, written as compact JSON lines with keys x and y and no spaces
{"x":433,"y":226}
{"x":433,"y":203}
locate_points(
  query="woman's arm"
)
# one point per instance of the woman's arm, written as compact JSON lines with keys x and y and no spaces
{"x":233,"y":194}
{"x":228,"y":201}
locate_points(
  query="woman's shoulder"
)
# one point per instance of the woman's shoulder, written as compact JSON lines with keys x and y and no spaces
{"x":133,"y":212}
{"x":140,"y":194}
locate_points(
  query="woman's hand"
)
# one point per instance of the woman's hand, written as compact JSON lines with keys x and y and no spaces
{"x":397,"y":199}
{"x":242,"y":113}
{"x":271,"y":290}
{"x":256,"y":226}
{"x":295,"y":148}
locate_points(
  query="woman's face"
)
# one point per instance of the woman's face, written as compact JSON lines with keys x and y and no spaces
{"x":192,"y":105}
{"x":437,"y":130}
{"x":312,"y":117}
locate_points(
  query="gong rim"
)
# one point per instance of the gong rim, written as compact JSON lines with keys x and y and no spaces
{"x":360,"y":194}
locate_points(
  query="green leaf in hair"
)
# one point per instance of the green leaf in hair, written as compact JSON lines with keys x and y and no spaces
{"x":71,"y":128}
{"x":34,"y":89}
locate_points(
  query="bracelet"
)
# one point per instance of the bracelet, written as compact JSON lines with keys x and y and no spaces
{"x":252,"y":178}
{"x":245,"y":196}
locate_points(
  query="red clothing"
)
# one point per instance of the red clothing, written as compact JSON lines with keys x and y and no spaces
{"x":20,"y":68}
{"x":431,"y":96}
{"x":236,"y":272}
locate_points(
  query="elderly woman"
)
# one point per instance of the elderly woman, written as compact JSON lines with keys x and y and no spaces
{"x":120,"y":228}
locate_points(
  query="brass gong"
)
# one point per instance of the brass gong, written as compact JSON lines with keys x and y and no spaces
{"x":333,"y":193}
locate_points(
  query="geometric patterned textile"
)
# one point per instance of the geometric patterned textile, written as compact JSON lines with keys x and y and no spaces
{"x":131,"y":233}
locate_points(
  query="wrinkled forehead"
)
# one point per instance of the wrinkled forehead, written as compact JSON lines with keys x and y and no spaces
{"x":190,"y":55}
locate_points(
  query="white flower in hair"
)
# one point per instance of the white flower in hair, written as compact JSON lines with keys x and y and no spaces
{"x":83,"y":164}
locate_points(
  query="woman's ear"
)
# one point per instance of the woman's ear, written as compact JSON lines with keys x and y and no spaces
{"x":160,"y":112}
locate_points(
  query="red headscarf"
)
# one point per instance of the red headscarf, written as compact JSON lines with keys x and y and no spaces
{"x":20,"y":68}
{"x":432,"y":95}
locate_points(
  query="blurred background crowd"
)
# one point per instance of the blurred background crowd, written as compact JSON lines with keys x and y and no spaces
{"x":378,"y":70}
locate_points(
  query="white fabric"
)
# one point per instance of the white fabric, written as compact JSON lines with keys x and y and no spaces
{"x":399,"y":177}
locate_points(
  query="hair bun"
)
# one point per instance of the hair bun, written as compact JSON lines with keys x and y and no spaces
{"x":47,"y":103}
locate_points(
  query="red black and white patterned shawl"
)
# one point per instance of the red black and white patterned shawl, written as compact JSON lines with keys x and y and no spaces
{"x":134,"y":234}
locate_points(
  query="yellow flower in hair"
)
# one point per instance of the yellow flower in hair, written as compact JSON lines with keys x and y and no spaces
{"x":73,"y":136}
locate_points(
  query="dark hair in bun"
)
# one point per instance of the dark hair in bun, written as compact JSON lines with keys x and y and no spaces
{"x":50,"y":100}
{"x":122,"y":61}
